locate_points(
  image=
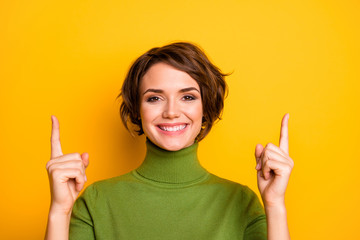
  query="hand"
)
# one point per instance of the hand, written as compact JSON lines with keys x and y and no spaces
{"x":274,"y":165}
{"x":66,"y":174}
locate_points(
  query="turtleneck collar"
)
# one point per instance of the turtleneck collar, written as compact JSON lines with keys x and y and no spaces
{"x":165,"y":166}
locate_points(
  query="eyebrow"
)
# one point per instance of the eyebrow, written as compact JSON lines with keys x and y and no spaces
{"x":181,"y":90}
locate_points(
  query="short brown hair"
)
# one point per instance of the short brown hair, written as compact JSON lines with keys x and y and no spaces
{"x":186,"y":57}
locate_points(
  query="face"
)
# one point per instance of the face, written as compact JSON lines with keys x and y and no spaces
{"x":170,"y":107}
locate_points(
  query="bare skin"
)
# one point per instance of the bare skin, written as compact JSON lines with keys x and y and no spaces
{"x":67,"y":178}
{"x":274,"y":166}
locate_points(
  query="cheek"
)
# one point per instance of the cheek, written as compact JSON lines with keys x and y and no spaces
{"x":145,"y":115}
{"x":196,"y":114}
{"x":148,"y":114}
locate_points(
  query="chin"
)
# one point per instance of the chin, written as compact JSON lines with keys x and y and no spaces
{"x":172,"y":145}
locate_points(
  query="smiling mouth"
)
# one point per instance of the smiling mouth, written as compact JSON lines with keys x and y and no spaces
{"x":172,"y":128}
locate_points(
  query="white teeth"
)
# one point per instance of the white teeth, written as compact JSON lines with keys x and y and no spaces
{"x":173,"y":129}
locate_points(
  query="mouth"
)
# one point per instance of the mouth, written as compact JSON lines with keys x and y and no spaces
{"x":172,"y":128}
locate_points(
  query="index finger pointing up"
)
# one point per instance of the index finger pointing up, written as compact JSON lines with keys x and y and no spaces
{"x":55,"y":139}
{"x":284,"y":134}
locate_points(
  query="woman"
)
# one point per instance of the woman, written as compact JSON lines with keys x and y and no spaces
{"x":173,"y":94}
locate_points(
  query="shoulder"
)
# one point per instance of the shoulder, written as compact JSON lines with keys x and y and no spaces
{"x":245,"y":200}
{"x":237,"y":196}
{"x":238,"y":192}
{"x":230,"y":185}
{"x":107,"y":185}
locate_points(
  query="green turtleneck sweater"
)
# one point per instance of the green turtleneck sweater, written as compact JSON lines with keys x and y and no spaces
{"x":170,"y":196}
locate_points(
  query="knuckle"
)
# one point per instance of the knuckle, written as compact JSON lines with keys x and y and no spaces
{"x":77,"y":156}
{"x":272,"y":146}
{"x":289,"y":168}
{"x":48,"y":165}
{"x":267,"y":153}
{"x":53,"y":169}
{"x":78,"y":164}
{"x":292,"y":164}
{"x":81,"y":168}
{"x":268,"y":163}
{"x":55,"y":173}
{"x":78,"y":172}
{"x":50,"y":170}
{"x":269,"y":145}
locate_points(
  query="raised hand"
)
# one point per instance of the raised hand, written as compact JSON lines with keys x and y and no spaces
{"x":66,"y":174}
{"x":274,"y":165}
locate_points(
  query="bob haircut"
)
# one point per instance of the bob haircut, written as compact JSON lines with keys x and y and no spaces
{"x":185,"y":57}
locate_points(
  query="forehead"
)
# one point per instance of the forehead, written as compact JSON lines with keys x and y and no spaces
{"x":166,"y":77}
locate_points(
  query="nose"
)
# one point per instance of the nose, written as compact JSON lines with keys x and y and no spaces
{"x":171,"y":110}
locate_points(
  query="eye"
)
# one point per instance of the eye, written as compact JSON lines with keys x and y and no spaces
{"x":189,"y":98}
{"x":152,"y":99}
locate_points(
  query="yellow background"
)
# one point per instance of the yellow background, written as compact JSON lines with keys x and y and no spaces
{"x":69,"y":58}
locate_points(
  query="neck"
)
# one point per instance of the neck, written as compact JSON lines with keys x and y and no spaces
{"x":165,"y":166}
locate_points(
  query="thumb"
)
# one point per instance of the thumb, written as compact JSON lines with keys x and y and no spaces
{"x":85,"y":159}
{"x":258,"y":150}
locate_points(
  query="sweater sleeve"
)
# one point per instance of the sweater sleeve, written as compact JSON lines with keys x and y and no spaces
{"x":256,"y":228}
{"x":81,"y":222}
